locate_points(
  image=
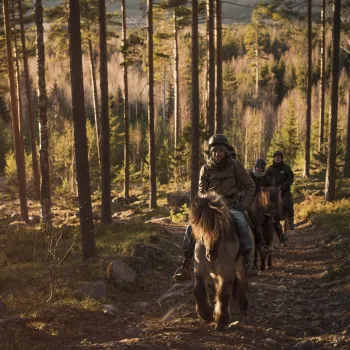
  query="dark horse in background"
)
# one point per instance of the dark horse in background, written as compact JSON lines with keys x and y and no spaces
{"x":266,"y":207}
{"x":217,"y":257}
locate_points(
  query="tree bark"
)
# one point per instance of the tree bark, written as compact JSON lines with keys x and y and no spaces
{"x":152,"y":144}
{"x":19,"y":151}
{"x":96,"y":104}
{"x":18,"y":75}
{"x":80,"y":139}
{"x":219,"y":120}
{"x":42,"y":106}
{"x":195,"y":102}
{"x":347,"y":150}
{"x":306,"y":173}
{"x":323,"y":76}
{"x":211,"y":67}
{"x":176,"y":82}
{"x":332,"y":138}
{"x":126,"y":109}
{"x":106,"y":216}
{"x":31,"y":119}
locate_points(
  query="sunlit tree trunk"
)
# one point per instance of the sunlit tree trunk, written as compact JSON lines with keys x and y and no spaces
{"x":332,"y":138}
{"x":19,"y":152}
{"x":347,"y":150}
{"x":195,"y":102}
{"x":42,"y":107}
{"x":96,"y":104}
{"x":219,"y":119}
{"x":306,"y":173}
{"x":323,"y":76}
{"x":126,"y":109}
{"x":80,"y":139}
{"x":106,"y":215}
{"x":176,"y":82}
{"x":211,"y":67}
{"x":152,"y":143}
{"x":31,"y":119}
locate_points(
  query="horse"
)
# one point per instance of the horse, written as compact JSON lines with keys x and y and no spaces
{"x":217,"y":255}
{"x":266,"y":206}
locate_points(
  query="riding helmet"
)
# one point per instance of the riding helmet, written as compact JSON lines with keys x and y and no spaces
{"x":260,"y":163}
{"x":278,"y":153}
{"x":219,"y":139}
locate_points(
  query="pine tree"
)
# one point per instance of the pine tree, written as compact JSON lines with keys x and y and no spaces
{"x":286,"y":138}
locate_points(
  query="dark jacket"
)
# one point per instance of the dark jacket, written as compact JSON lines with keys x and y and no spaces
{"x":265,"y":181}
{"x":281,"y":175}
{"x":228,"y":182}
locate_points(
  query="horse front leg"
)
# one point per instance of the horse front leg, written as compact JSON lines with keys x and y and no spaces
{"x":203,"y":307}
{"x":269,"y":262}
{"x":222,"y":312}
{"x":262,"y":264}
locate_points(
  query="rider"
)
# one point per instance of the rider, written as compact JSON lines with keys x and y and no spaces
{"x":225,"y":176}
{"x":282,"y":176}
{"x":263,"y":179}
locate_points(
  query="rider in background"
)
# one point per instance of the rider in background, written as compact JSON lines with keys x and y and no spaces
{"x":263,"y":179}
{"x":226,"y":176}
{"x":282,"y":176}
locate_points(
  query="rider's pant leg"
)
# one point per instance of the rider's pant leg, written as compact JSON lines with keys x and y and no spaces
{"x":289,"y":203}
{"x":189,"y":242}
{"x":243,"y":231}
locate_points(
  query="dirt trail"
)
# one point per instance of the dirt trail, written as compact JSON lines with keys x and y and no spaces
{"x":291,"y":306}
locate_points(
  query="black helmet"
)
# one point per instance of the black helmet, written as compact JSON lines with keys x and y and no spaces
{"x":260,"y":163}
{"x":219,"y":139}
{"x":278,"y":153}
{"x":232,"y":152}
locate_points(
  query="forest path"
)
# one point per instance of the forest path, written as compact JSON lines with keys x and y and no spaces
{"x":291,"y":306}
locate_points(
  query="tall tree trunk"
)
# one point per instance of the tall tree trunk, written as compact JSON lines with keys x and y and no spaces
{"x":42,"y":106}
{"x":347,"y":150}
{"x":152,"y":143}
{"x":306,"y":173}
{"x":31,"y":119}
{"x":176,"y":82}
{"x":19,"y":152}
{"x":18,"y":75}
{"x":96,"y":104}
{"x":332,"y":138}
{"x":211,"y":67}
{"x":126,"y":109}
{"x":80,"y":139}
{"x":246,"y":147}
{"x":219,"y":119}
{"x":323,"y":77}
{"x":195,"y":102}
{"x":106,"y":216}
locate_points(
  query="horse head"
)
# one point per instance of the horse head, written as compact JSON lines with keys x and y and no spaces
{"x":270,"y":198}
{"x":210,"y":219}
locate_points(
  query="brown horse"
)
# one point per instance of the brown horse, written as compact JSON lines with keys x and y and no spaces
{"x":216,"y":256}
{"x":266,"y":206}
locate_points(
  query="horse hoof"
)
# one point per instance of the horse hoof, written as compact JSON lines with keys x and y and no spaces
{"x":219,"y":327}
{"x":244,"y":311}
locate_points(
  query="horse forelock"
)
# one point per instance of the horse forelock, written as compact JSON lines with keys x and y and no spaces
{"x":210,"y":217}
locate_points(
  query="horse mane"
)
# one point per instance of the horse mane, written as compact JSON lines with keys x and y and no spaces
{"x":270,"y":197}
{"x":210,"y":216}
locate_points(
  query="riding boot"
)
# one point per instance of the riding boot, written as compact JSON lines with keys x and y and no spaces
{"x":249,"y":268}
{"x":291,"y":223}
{"x":185,"y":272}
